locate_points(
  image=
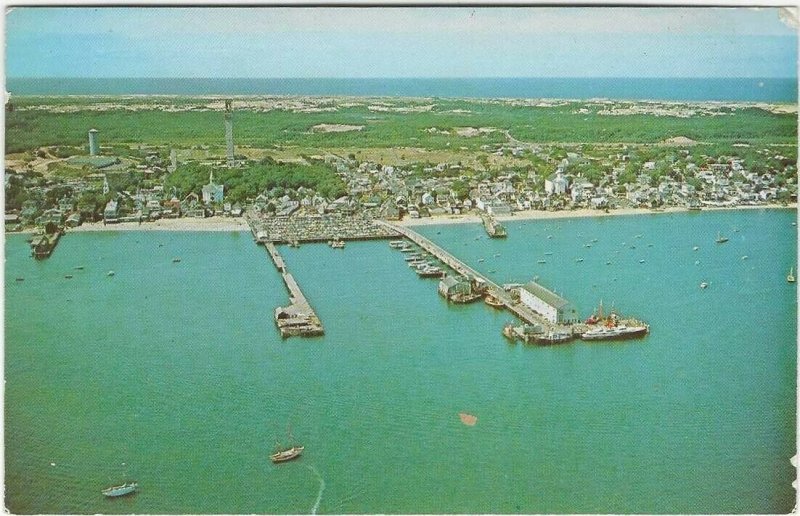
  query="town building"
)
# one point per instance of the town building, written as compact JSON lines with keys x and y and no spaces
{"x":556,"y":184}
{"x":212,"y":192}
{"x":550,"y":305}
{"x":111,"y":212}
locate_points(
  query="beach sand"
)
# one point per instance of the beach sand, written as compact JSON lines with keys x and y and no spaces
{"x":239,"y":223}
{"x":564,"y":214}
{"x":184,"y":224}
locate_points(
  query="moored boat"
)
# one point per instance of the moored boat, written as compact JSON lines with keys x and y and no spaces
{"x":721,"y":239}
{"x":615,"y":332}
{"x":508,"y":332}
{"x":553,"y":337}
{"x":122,"y":490}
{"x":790,"y":276}
{"x":287,"y":454}
{"x":493,"y":301}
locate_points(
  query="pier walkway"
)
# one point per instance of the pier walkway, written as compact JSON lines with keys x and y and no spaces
{"x":298,"y":318}
{"x":525,"y":314}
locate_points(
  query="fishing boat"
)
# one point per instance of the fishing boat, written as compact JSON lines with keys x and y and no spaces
{"x":176,"y":260}
{"x":125,"y":489}
{"x":493,"y":301}
{"x":508,"y":332}
{"x":553,"y":337}
{"x":790,"y":276}
{"x":431,"y":271}
{"x":287,"y":454}
{"x":721,"y":239}
{"x":615,"y":332}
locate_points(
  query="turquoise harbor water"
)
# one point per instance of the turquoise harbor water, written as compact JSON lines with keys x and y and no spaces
{"x":177,"y":371}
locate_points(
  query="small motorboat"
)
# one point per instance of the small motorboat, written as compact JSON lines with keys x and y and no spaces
{"x":176,"y":260}
{"x":288,"y":454}
{"x":704,"y":285}
{"x":695,"y":248}
{"x":68,"y":276}
{"x":20,"y":279}
{"x":125,"y":489}
{"x":79,"y":268}
{"x":110,"y":273}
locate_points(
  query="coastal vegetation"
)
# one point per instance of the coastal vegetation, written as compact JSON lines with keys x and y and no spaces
{"x":434,"y":125}
{"x":246,"y":183}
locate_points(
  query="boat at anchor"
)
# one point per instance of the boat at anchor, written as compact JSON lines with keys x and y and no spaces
{"x":122,"y":490}
{"x":287,"y":454}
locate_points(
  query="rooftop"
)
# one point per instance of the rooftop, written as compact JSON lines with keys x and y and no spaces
{"x":551,"y":298}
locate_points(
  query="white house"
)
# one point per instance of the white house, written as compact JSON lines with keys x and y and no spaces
{"x":556,"y":184}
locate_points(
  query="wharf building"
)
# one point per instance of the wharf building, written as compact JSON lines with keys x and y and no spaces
{"x":550,"y":305}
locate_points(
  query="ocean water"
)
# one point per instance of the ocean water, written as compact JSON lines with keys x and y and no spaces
{"x":174,"y":374}
{"x":620,"y":88}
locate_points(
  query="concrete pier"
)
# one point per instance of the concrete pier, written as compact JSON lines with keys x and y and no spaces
{"x":525,"y":314}
{"x":297,"y":319}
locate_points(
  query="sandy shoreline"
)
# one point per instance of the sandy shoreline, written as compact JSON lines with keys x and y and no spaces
{"x":565,"y":214}
{"x":239,"y":223}
{"x":185,"y":224}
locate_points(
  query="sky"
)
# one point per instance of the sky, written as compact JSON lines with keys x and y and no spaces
{"x":361,"y":42}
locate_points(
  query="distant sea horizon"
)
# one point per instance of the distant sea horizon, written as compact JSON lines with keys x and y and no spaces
{"x":745,"y":89}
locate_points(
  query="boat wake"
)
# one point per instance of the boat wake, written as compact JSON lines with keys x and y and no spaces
{"x":321,"y":489}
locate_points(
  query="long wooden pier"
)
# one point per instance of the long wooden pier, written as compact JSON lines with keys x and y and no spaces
{"x":525,"y":314}
{"x":298,"y":318}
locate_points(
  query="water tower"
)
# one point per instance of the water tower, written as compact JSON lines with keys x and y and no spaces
{"x":94,"y":143}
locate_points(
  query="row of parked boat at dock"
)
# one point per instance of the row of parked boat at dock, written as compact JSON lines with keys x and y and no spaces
{"x":418,"y":260}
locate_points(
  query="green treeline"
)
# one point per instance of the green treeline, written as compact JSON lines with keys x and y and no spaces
{"x":247,"y":183}
{"x":29,"y":129}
